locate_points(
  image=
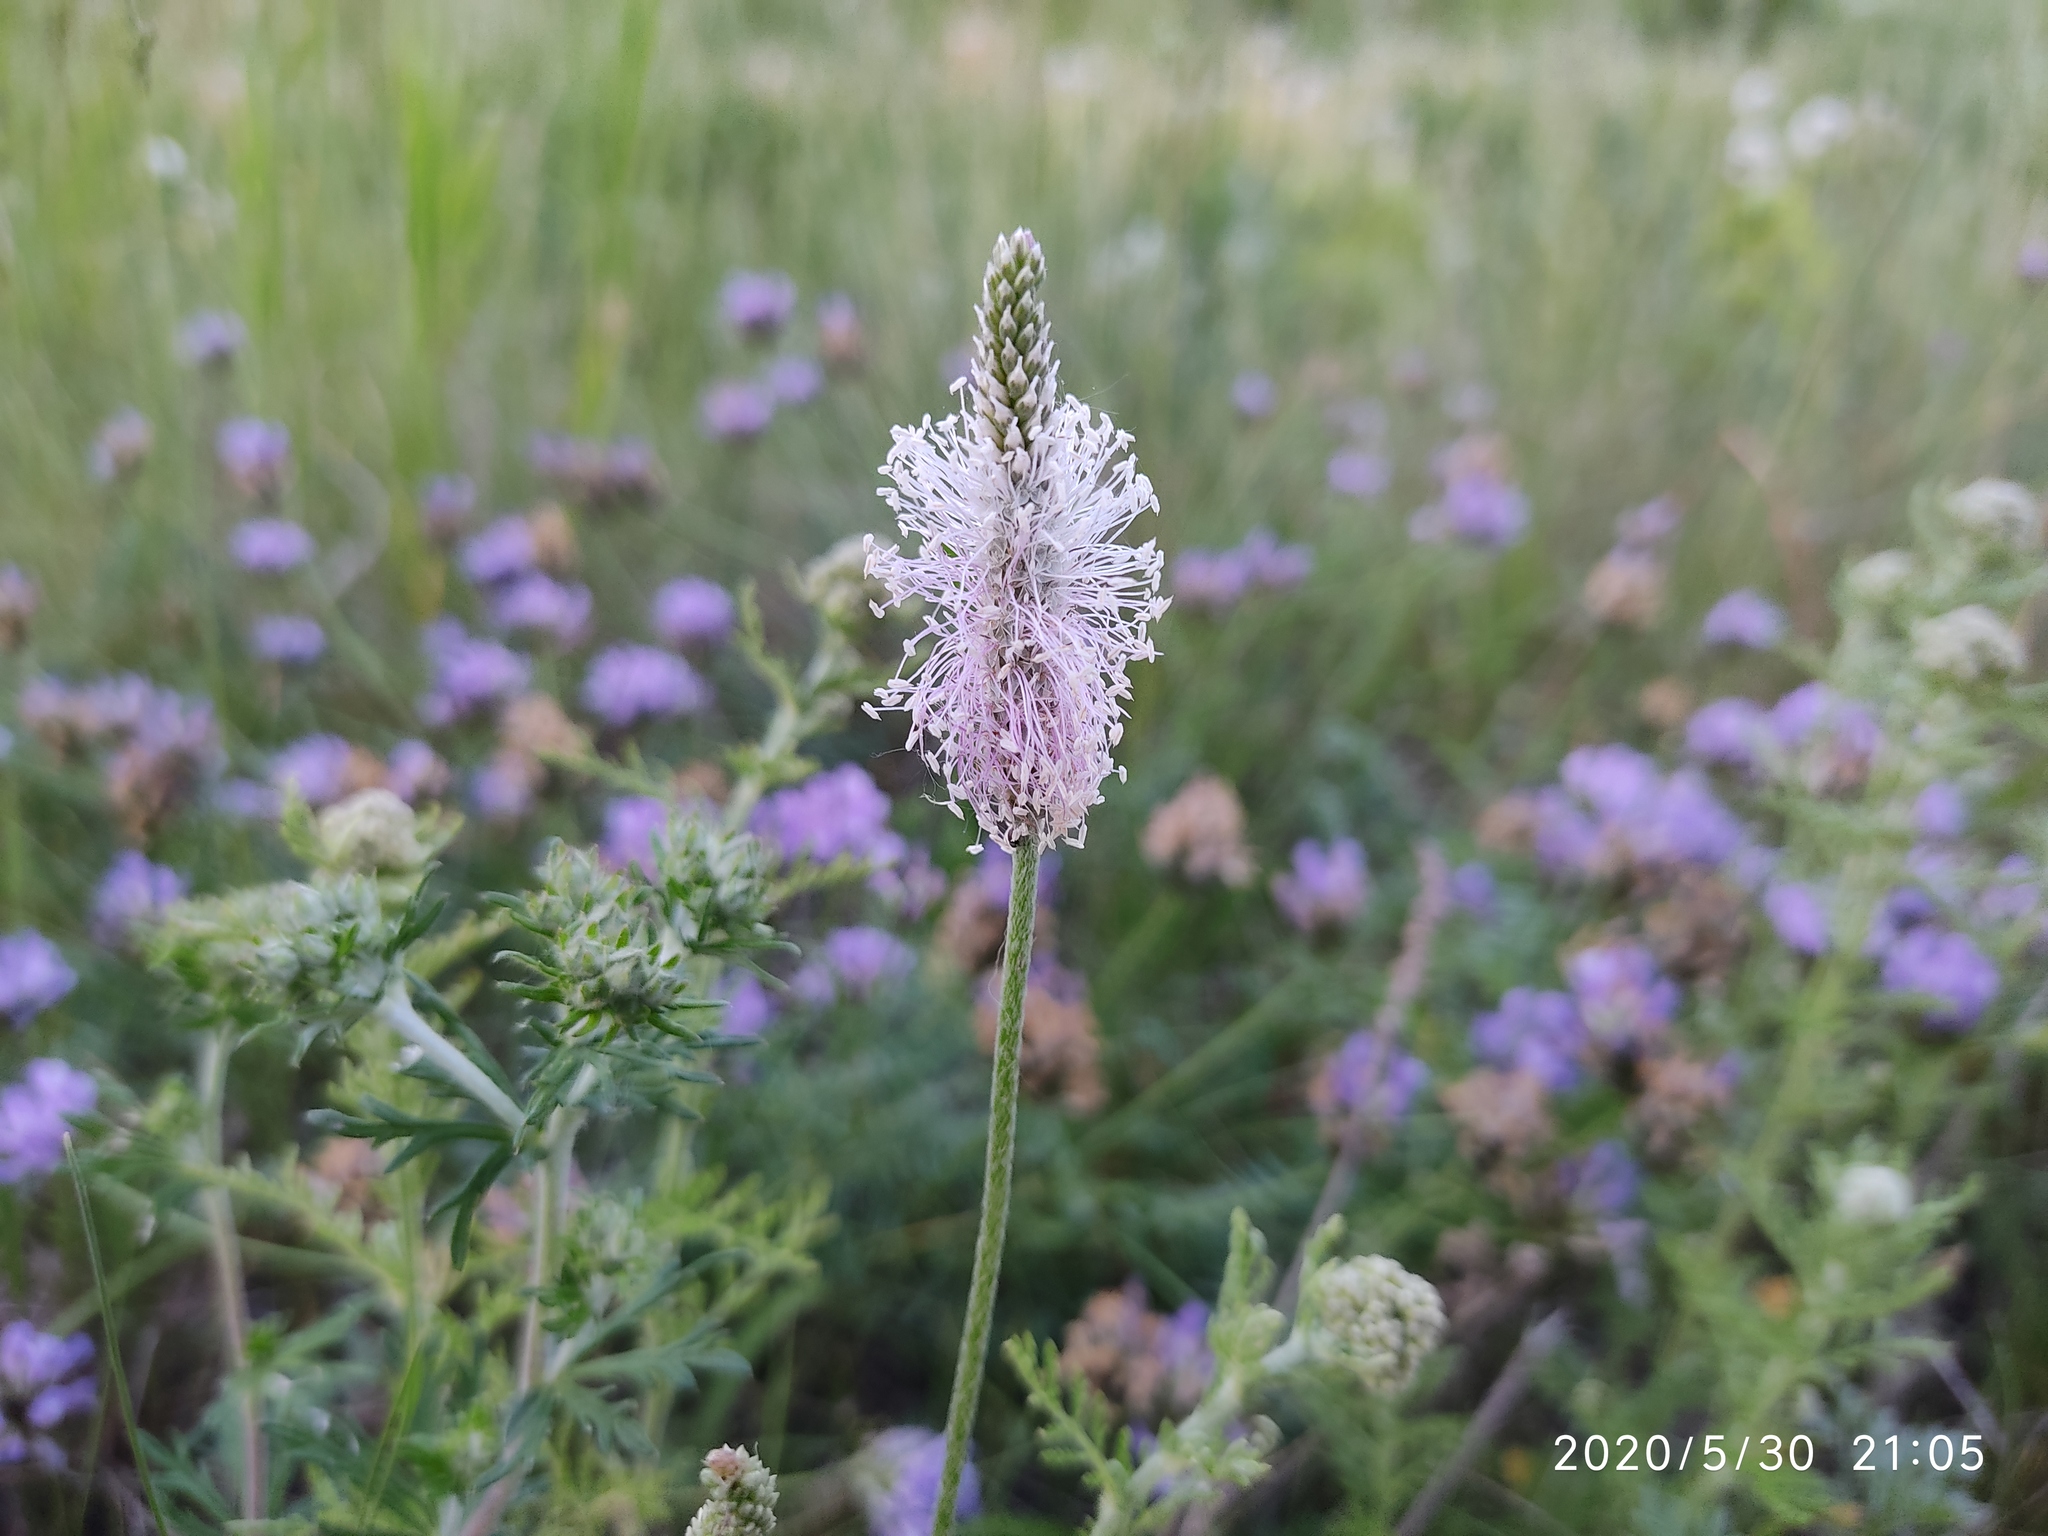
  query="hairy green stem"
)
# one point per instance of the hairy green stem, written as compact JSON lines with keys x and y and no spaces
{"x":550,"y":1208}
{"x":230,"y":1290}
{"x":395,"y":1009}
{"x":995,"y":1183}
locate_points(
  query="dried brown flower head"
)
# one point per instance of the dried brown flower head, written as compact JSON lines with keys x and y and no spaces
{"x":1200,"y":832}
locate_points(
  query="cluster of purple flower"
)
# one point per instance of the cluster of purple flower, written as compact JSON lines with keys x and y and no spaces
{"x":33,"y":976}
{"x":1255,"y":395}
{"x":160,"y":745}
{"x":1614,"y":809}
{"x":898,"y":1477}
{"x":854,"y":962}
{"x":447,"y":503}
{"x":469,"y":672}
{"x":840,"y":812}
{"x":1326,"y":886}
{"x":625,"y":472}
{"x":35,"y":1114}
{"x":1478,"y":505}
{"x":254,"y":455}
{"x":1216,"y":579}
{"x":690,"y":611}
{"x":44,"y":1380}
{"x":118,"y":449}
{"x":1369,"y":1076}
{"x":1813,"y":734}
{"x":271,"y":546}
{"x":211,"y":339}
{"x":1536,"y":1032}
{"x":749,"y":1006}
{"x":287,"y":639}
{"x":1744,"y":618}
{"x":132,"y":891}
{"x":629,"y":683}
{"x":1624,"y":1003}
{"x":757,"y":305}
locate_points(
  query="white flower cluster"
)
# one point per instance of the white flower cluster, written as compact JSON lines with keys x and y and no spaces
{"x":1873,"y":1195}
{"x":371,"y":830}
{"x":1968,"y":643}
{"x":740,"y":1495}
{"x":1372,"y":1317}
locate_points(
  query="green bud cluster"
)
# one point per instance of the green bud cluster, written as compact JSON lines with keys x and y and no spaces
{"x":740,"y":1495}
{"x":307,"y":947}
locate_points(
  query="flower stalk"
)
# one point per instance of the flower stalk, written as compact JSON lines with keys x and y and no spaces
{"x":995,"y":1191}
{"x":225,"y":1248}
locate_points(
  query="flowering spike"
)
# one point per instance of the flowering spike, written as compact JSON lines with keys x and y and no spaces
{"x":1013,"y":379}
{"x":1034,"y":610}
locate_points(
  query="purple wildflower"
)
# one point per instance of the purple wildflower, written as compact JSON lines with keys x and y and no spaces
{"x":1327,"y":885}
{"x":1210,"y":578}
{"x":2032,"y":262}
{"x":864,"y":959}
{"x":500,"y":552}
{"x":44,"y":1380}
{"x":468,"y":672}
{"x":287,"y":639}
{"x":626,"y":683}
{"x":1941,"y":812}
{"x":793,"y":380}
{"x":838,"y":813}
{"x":1639,"y":815}
{"x":254,"y":455}
{"x":2014,"y":891}
{"x":757,"y":304}
{"x":1274,"y":565}
{"x":735,"y":410}
{"x":911,"y":887}
{"x":558,"y":609}
{"x":132,"y":891}
{"x":447,"y":502}
{"x":269,"y":546}
{"x":1945,"y":965}
{"x":1836,"y":737}
{"x":123,"y":441}
{"x":246,"y":800}
{"x":1255,"y":395}
{"x":34,"y":1115}
{"x":1535,"y":1032}
{"x":1477,"y":506}
{"x":692,"y":611}
{"x":1798,"y":916}
{"x":1035,"y":610}
{"x":211,"y":338}
{"x":1473,"y":889}
{"x":1904,"y":909}
{"x":1744,"y":618}
{"x":630,"y":823}
{"x":1644,"y":528}
{"x":1358,"y":472}
{"x":1601,"y":1182}
{"x":898,"y":1478}
{"x":1370,"y":1076}
{"x":414,"y":772}
{"x":1730,"y":733}
{"x":503,"y":789}
{"x":33,"y":975}
{"x":840,"y":336}
{"x":1181,"y":1347}
{"x":1623,"y":1000}
{"x":749,"y":1006}
{"x":316,"y":767}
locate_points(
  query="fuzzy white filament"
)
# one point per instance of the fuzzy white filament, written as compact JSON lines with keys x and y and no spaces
{"x":1015,"y":685}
